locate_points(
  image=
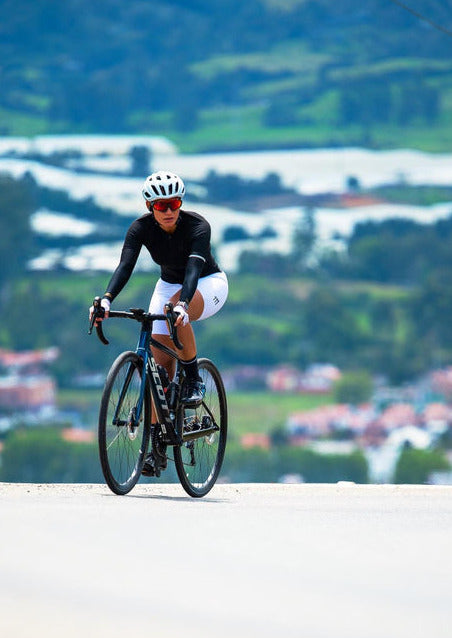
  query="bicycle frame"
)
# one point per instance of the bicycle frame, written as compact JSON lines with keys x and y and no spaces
{"x":166,"y":415}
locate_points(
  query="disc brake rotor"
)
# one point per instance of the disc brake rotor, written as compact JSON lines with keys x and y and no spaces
{"x":132,"y":425}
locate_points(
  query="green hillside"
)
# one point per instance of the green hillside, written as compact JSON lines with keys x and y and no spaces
{"x":266,"y":322}
{"x":228,"y":74}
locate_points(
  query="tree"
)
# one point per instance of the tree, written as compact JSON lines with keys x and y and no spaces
{"x":266,"y":264}
{"x":303,"y":240}
{"x":141,"y":161}
{"x":16,"y":236}
{"x":353,"y":387}
{"x":432,"y":307}
{"x":415,"y":466}
{"x":235,"y":233}
{"x":353,"y":184}
{"x":41,"y":455}
{"x":333,"y":328}
{"x":185,"y":117}
{"x":280,"y":113}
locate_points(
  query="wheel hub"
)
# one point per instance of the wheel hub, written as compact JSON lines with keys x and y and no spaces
{"x":132,"y":425}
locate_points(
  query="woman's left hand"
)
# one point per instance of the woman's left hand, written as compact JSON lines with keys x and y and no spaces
{"x":183,"y":318}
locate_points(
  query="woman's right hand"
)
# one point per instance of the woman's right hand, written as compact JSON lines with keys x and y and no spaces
{"x":105,"y":304}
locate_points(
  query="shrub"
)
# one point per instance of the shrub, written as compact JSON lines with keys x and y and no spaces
{"x":354,"y":388}
{"x":415,"y":466}
{"x":267,"y":466}
{"x":40,"y":455}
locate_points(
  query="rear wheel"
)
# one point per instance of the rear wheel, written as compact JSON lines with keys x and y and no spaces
{"x":123,"y":433}
{"x":204,"y":430}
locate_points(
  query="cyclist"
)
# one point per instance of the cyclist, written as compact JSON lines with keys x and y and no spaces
{"x":179,"y":242}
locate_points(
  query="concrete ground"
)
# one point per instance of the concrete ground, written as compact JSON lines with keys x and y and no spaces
{"x":330,"y":561}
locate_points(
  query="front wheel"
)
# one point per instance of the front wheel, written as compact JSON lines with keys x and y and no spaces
{"x":124,"y":428}
{"x":198,"y":460}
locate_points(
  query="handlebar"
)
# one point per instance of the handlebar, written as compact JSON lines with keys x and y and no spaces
{"x":138,"y":314}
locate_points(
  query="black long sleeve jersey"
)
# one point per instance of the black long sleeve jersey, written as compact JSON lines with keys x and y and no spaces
{"x":183,"y":256}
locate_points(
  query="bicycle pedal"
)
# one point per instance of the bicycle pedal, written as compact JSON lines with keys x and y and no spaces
{"x":195,"y":425}
{"x":148,"y":471}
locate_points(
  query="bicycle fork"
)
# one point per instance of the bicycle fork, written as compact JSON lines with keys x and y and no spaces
{"x":137,"y":409}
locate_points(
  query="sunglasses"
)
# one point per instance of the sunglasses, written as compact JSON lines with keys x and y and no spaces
{"x":163,"y":204}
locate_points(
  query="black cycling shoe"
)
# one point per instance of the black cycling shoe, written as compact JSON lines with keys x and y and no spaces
{"x":154,"y":464}
{"x":194,"y":393}
{"x":149,"y":466}
{"x":156,"y":460}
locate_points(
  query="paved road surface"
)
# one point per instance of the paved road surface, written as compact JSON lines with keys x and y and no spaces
{"x":314,"y":561}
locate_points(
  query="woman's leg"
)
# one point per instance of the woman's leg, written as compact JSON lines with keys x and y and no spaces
{"x":186,"y":333}
{"x":194,"y":388}
{"x":186,"y":337}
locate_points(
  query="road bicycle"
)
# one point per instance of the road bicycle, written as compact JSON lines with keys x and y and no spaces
{"x":135,"y":382}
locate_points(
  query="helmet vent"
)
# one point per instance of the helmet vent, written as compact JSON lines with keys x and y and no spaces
{"x":162,"y":185}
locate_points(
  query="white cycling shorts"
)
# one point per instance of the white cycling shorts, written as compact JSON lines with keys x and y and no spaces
{"x":214,"y":291}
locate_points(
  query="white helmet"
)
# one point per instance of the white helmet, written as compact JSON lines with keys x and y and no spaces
{"x":162,"y":185}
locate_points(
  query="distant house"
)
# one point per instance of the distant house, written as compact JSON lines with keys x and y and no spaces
{"x":27,"y":358}
{"x":25,"y":385}
{"x":313,"y":424}
{"x":78,"y":435}
{"x":318,"y":378}
{"x":396,"y":416}
{"x":245,"y":377}
{"x":283,"y":379}
{"x":354,"y":200}
{"x":368,"y":426}
{"x":441,"y":382}
{"x":26,"y":393}
{"x":325,"y":421}
{"x":434,"y":412}
{"x":255,"y":439}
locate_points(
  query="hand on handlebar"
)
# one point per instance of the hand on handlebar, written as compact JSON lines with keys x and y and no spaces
{"x":101,"y":309}
{"x":182,"y":319}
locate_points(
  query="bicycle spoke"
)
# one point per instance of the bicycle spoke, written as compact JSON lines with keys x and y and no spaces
{"x":123,"y":437}
{"x":198,"y":461}
{"x":111,"y":442}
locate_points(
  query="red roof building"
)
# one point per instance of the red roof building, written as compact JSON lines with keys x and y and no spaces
{"x":25,"y":393}
{"x":27,"y":358}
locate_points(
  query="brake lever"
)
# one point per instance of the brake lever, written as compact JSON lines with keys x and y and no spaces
{"x":173,"y":330}
{"x":98,"y":312}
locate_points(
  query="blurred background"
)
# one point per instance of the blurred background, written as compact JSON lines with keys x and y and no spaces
{"x":316,"y":138}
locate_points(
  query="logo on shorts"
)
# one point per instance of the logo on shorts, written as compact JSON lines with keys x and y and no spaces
{"x":216,"y":300}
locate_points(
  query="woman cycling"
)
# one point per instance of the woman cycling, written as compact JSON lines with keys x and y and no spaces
{"x":179,"y":242}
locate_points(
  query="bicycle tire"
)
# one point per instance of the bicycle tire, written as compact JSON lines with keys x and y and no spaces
{"x":123,"y":445}
{"x":198,"y":462}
